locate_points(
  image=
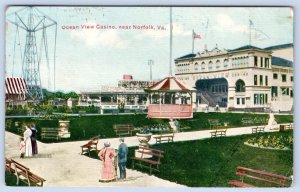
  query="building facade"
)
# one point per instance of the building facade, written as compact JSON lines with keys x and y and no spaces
{"x":247,"y":78}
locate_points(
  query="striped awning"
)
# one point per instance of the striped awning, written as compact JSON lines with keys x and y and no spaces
{"x":15,"y":85}
{"x":169,"y":84}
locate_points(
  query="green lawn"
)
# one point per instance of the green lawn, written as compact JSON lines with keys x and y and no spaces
{"x":213,"y":162}
{"x":85,"y":127}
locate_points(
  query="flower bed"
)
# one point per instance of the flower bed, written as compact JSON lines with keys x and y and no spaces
{"x":271,"y":142}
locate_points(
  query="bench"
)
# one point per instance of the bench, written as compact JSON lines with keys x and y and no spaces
{"x":164,"y":137}
{"x":218,"y":132}
{"x":214,"y":123}
{"x":286,"y":127}
{"x":123,"y":129}
{"x":23,"y":173}
{"x":259,"y":177}
{"x":154,"y":158}
{"x":258,"y":129}
{"x":50,"y":133}
{"x":90,"y":145}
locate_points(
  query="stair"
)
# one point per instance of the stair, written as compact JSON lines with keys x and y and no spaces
{"x":208,"y":98}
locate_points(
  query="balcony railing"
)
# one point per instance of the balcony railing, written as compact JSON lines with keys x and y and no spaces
{"x":170,"y":111}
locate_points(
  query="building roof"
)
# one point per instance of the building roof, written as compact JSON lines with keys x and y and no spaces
{"x":280,"y":46}
{"x":168,"y":84}
{"x":191,"y":55}
{"x":246,"y":47}
{"x":281,"y":62}
{"x":15,"y":85}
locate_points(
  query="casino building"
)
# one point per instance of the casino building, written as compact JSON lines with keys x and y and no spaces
{"x":247,"y":78}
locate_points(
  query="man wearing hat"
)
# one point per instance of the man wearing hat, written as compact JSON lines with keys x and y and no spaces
{"x":122,"y":155}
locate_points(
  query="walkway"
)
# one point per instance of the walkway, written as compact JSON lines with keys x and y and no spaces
{"x":62,"y":165}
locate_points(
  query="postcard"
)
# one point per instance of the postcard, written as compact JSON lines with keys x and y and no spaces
{"x":99,"y":96}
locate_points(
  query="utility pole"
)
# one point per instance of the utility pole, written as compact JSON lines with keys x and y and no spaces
{"x":150,"y":63}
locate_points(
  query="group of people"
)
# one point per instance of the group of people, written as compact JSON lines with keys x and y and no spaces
{"x":28,"y":143}
{"x":107,"y":156}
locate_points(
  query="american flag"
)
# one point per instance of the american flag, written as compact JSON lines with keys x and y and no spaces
{"x":196,"y":36}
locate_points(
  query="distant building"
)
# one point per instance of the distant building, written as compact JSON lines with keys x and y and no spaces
{"x":71,"y":102}
{"x":128,"y":95}
{"x":57,"y":102}
{"x":247,"y":78}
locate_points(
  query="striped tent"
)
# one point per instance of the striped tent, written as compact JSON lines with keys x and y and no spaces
{"x":168,"y":84}
{"x":15,"y":89}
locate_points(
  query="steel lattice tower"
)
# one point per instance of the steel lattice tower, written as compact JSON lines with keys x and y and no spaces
{"x":33,"y":22}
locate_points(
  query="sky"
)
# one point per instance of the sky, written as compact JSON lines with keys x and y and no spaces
{"x":89,"y":58}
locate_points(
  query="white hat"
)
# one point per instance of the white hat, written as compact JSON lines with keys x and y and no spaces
{"x":106,"y":144}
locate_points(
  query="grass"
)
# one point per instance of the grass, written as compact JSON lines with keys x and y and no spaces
{"x":284,"y":118}
{"x":213,"y":162}
{"x":86,"y":127}
{"x":11,"y":180}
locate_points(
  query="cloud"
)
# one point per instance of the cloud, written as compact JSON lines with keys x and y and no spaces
{"x":94,"y":37}
{"x":224,"y":22}
{"x":178,"y":30}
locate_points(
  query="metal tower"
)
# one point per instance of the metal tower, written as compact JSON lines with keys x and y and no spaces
{"x":35,"y":23}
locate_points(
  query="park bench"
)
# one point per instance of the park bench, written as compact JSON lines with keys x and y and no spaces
{"x":90,"y":145}
{"x":255,"y":177}
{"x":286,"y":127}
{"x":155,"y":156}
{"x":123,"y":129}
{"x":23,"y":173}
{"x":169,"y":137}
{"x":214,"y":123}
{"x":50,"y":133}
{"x":258,"y":129}
{"x":218,"y":132}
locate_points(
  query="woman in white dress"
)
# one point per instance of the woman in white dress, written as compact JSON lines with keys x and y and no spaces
{"x":27,"y":140}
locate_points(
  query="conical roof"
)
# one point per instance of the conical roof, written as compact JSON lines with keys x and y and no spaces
{"x":169,"y":84}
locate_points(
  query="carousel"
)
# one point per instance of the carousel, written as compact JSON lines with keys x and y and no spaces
{"x":170,"y":99}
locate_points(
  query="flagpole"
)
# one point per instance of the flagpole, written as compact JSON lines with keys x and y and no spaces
{"x":193,"y":41}
{"x":171,"y":36}
{"x":250,"y":31}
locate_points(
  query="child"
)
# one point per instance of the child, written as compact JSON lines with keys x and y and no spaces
{"x":22,"y":147}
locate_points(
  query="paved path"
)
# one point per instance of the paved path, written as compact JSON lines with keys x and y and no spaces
{"x":62,"y":165}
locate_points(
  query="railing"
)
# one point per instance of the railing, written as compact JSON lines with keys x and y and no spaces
{"x":169,"y":111}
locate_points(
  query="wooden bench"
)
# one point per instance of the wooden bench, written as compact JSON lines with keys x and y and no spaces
{"x":286,"y":127}
{"x":154,"y":158}
{"x":164,"y":137}
{"x":123,"y":129}
{"x":214,"y":123}
{"x":218,"y":132}
{"x":50,"y":133}
{"x":257,"y":177}
{"x":258,"y":129}
{"x":23,"y":173}
{"x":90,"y":145}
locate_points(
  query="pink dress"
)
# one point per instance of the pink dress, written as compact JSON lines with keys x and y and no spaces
{"x":107,"y":156}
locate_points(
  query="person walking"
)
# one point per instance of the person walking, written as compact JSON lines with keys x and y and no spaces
{"x":107,"y":156}
{"x":22,"y":147}
{"x":27,"y":140}
{"x":33,"y":140}
{"x":122,"y":156}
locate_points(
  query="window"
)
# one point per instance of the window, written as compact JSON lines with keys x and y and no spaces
{"x":292,"y":78}
{"x":243,"y":101}
{"x":283,"y":77}
{"x":240,"y":86}
{"x":196,"y":66}
{"x":266,"y":80}
{"x":285,"y":91}
{"x":237,"y":101}
{"x":274,"y":91}
{"x":292,"y":93}
{"x":266,"y":98}
{"x":218,"y":64}
{"x":260,"y":80}
{"x":255,"y":61}
{"x":275,"y":76}
{"x":261,"y":62}
{"x":260,"y":99}
{"x":203,"y":66}
{"x":225,"y":63}
{"x":210,"y":65}
{"x":255,"y":79}
{"x":267,"y":60}
{"x":255,"y":99}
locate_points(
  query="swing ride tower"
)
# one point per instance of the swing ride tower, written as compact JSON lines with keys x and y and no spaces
{"x":35,"y":24}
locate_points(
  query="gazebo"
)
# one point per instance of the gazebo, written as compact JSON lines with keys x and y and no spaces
{"x":170,"y":99}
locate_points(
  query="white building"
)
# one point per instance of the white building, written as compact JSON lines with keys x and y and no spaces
{"x":247,"y":78}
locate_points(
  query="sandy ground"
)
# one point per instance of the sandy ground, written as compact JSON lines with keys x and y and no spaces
{"x":61,"y":164}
